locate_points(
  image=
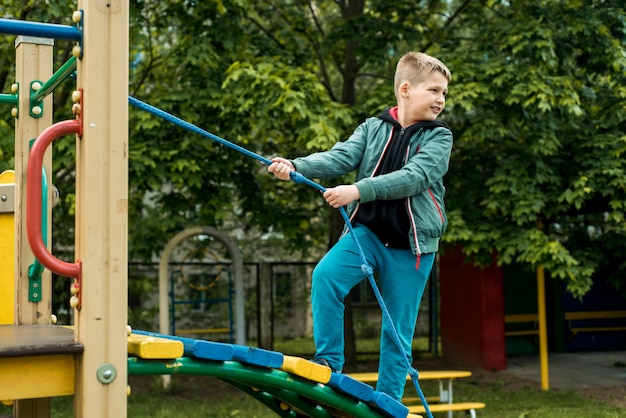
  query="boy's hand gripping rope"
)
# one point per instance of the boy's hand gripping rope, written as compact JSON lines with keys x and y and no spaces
{"x":299,"y":178}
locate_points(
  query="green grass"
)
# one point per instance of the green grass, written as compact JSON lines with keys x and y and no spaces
{"x":197,"y":396}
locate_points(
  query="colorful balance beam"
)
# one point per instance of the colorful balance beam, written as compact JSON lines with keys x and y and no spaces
{"x":272,"y":362}
{"x":275,"y":382}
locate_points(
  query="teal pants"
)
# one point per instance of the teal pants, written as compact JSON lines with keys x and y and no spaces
{"x":402,"y":284}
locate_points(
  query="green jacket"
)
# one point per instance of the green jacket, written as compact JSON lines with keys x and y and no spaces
{"x":419,"y":181}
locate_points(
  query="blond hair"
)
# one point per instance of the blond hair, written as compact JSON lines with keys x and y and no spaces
{"x":414,"y":67}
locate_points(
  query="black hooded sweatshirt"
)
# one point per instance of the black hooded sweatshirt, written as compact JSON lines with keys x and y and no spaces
{"x":389,"y":219}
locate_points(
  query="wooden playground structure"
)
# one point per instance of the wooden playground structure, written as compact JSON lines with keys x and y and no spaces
{"x":39,"y":360}
{"x":92,"y":359}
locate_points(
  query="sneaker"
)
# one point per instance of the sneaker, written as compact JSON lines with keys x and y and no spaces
{"x":324,"y":362}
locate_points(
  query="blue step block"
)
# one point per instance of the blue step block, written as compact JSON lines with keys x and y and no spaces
{"x":355,"y":388}
{"x":209,"y":350}
{"x":388,"y":405}
{"x":257,"y":356}
{"x":206,"y":350}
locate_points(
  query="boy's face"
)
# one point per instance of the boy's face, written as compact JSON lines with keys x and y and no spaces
{"x":425,"y":100}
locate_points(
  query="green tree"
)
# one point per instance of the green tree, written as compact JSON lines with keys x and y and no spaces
{"x":538,"y":107}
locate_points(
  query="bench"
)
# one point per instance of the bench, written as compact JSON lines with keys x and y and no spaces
{"x":530,"y":327}
{"x":578,"y":321}
{"x":470,"y":407}
{"x":443,"y":402}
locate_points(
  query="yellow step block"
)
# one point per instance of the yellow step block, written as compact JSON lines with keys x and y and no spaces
{"x":147,"y":347}
{"x":308,"y":370}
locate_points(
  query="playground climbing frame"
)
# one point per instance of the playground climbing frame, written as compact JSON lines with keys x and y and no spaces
{"x":101,"y":30}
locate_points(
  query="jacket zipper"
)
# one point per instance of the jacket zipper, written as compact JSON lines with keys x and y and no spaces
{"x":418,"y":250}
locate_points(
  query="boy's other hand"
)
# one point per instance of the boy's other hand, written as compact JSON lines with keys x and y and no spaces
{"x":342,"y":195}
{"x":281,"y":167}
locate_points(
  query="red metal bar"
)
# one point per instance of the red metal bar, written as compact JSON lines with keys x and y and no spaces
{"x":33,"y":198}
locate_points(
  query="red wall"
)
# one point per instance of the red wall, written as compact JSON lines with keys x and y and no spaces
{"x":472,"y":312}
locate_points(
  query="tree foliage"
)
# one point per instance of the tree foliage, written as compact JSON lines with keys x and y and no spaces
{"x":539,"y":110}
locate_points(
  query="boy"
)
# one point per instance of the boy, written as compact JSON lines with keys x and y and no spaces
{"x":396,"y":208}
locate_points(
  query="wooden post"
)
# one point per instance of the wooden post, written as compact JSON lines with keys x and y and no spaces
{"x":33,"y":62}
{"x":102,"y":210}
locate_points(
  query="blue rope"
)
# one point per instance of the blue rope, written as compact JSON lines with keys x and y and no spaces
{"x":299,"y":178}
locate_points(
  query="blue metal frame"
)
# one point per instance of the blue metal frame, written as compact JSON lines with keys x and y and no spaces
{"x":43,"y":30}
{"x":229,"y":300}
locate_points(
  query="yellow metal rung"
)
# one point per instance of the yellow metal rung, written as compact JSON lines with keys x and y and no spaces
{"x":596,"y":329}
{"x":148,"y":347}
{"x":527,"y":317}
{"x":569,"y":316}
{"x":306,"y":369}
{"x":521,"y":333}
